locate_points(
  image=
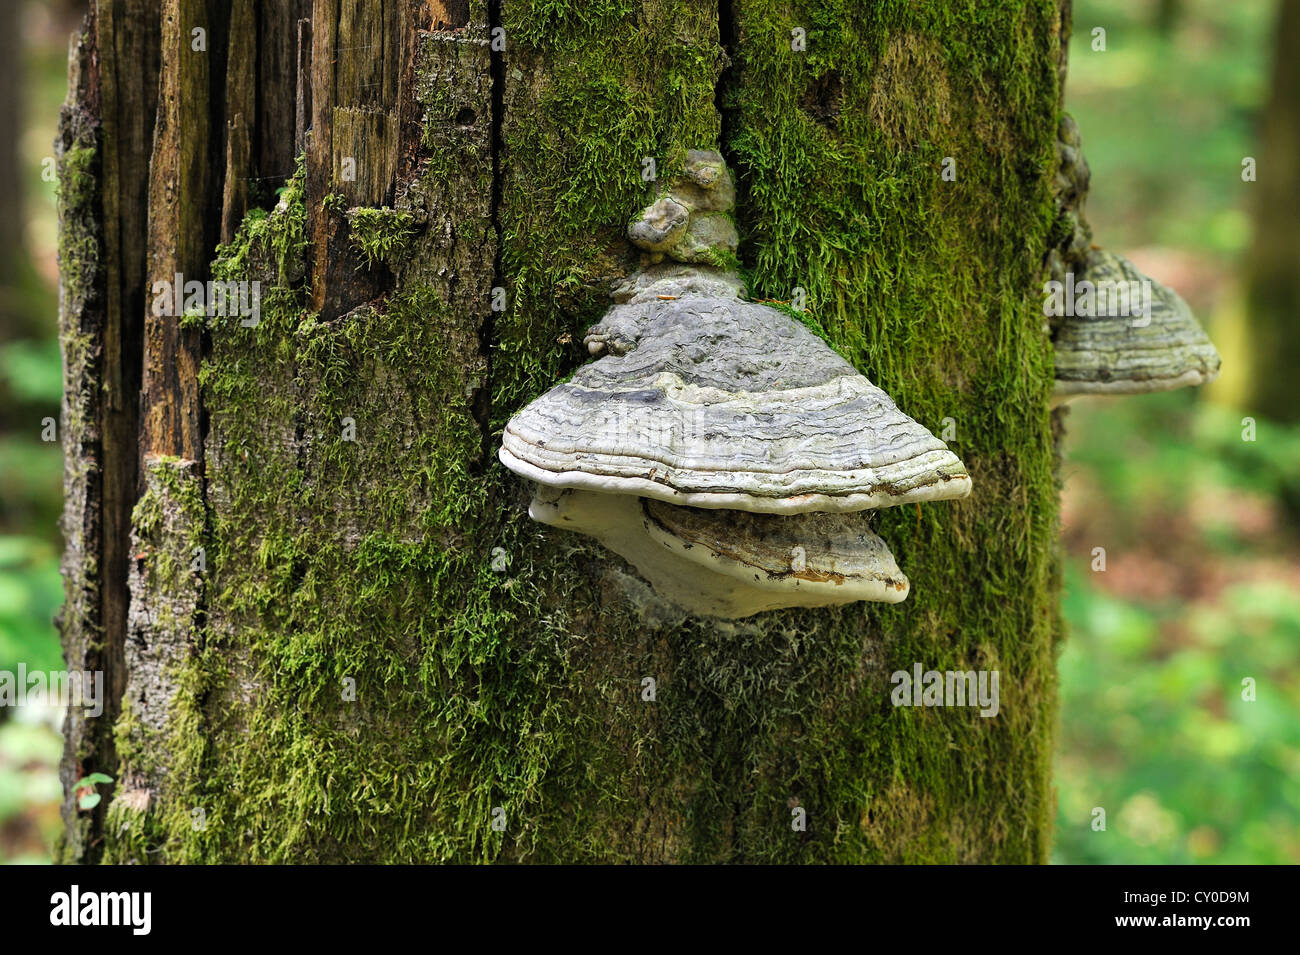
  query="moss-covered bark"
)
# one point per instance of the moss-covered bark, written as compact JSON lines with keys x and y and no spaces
{"x":105,"y":131}
{"x":79,"y":149}
{"x":386,"y":655}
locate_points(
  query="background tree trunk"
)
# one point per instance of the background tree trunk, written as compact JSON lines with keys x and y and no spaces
{"x":1274,"y":270}
{"x":341,"y":673}
{"x":15,"y":321}
{"x":24,"y":309}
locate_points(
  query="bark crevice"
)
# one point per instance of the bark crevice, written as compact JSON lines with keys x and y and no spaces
{"x":727,"y":41}
{"x":481,"y":400}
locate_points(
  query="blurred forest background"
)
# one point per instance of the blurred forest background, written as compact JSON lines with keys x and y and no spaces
{"x":1200,"y":525}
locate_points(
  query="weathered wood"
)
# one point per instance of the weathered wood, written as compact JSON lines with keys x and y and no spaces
{"x":106,"y":126}
{"x":185,"y":172}
{"x":240,"y":107}
{"x":302,"y":99}
{"x":356,"y":65}
{"x":320,"y":152}
{"x":277,"y":52}
{"x":79,"y":154}
{"x":444,"y":15}
{"x":121,"y":183}
{"x":365,"y":155}
{"x":234,"y":198}
{"x":168,"y":569}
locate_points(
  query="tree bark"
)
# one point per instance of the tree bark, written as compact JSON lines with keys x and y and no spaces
{"x":1274,"y":269}
{"x":332,"y":631}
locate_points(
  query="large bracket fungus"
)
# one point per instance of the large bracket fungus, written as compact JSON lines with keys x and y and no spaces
{"x":721,"y":447}
{"x":1115,"y":330}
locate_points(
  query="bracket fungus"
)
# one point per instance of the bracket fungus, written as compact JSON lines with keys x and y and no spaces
{"x":1118,"y":352}
{"x":723,"y":449}
{"x":1115,"y":331}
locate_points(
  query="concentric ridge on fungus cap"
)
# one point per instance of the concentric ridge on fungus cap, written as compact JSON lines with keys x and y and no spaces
{"x":1125,"y":354}
{"x":713,"y":402}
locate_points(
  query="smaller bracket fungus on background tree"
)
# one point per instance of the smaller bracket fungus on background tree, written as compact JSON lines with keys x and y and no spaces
{"x":718,"y":445}
{"x":1115,"y":330}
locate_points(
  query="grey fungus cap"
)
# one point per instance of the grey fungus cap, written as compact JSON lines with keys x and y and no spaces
{"x":713,"y":402}
{"x":1123,"y":350}
{"x":1117,"y":332}
{"x":726,"y":452}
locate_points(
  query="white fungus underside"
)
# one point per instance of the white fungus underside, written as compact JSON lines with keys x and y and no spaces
{"x":703,"y":581}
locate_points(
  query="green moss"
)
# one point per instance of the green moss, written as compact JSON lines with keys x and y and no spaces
{"x":907,"y":273}
{"x":723,"y":259}
{"x":150,"y":817}
{"x":78,"y":172}
{"x":380,"y":234}
{"x":79,"y":240}
{"x":576,"y":151}
{"x":194,"y":318}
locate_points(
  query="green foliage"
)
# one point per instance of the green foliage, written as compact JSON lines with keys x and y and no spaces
{"x":30,"y":469}
{"x":30,"y":488}
{"x":1197,"y":596}
{"x":90,"y":799}
{"x":31,"y":370}
{"x":30,"y":593}
{"x":1167,"y":118}
{"x":29,"y":790}
{"x":381,"y":234}
{"x":1198,"y":523}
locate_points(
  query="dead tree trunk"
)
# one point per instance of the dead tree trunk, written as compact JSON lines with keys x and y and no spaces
{"x":329,"y":628}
